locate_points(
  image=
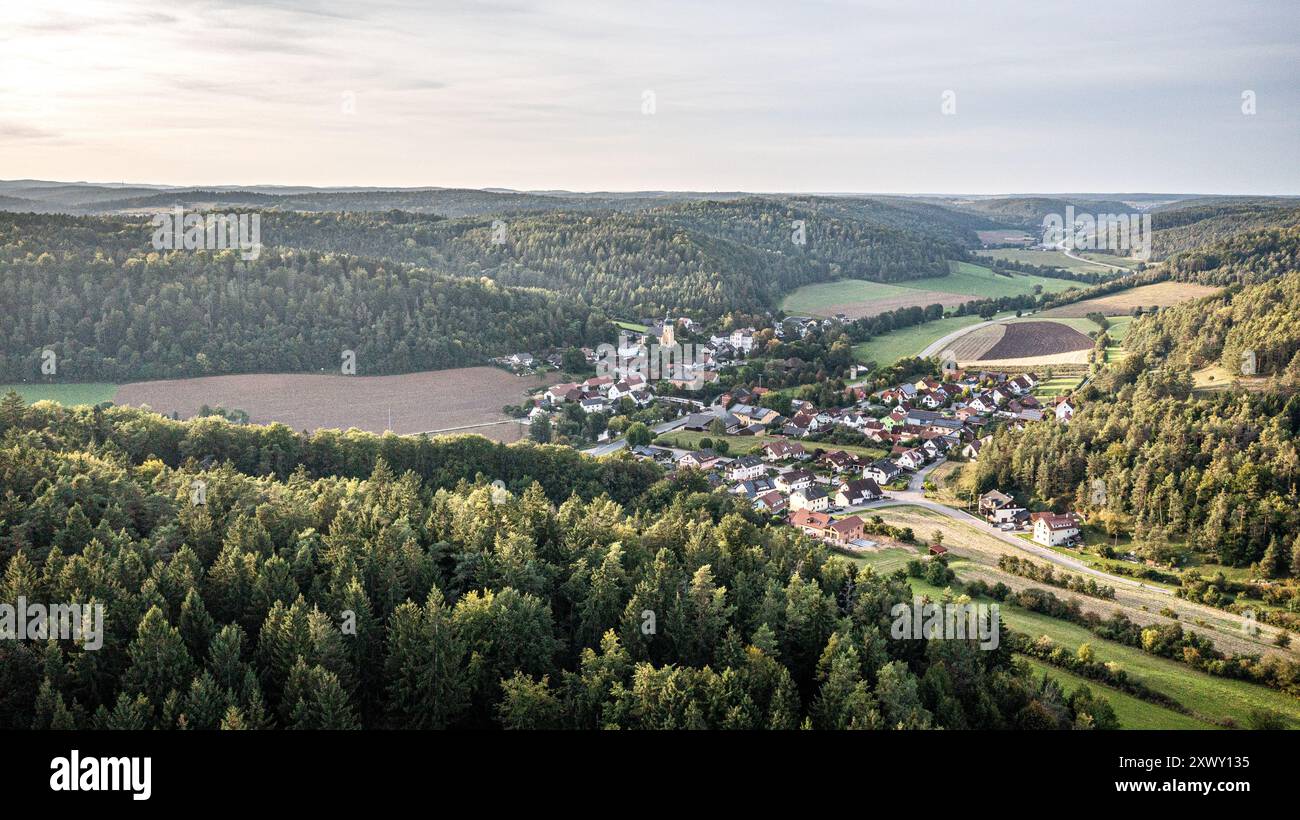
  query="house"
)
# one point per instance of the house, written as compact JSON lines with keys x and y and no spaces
{"x":742,"y":339}
{"x":658,"y":454}
{"x":1064,"y":410}
{"x":847,"y":529}
{"x":754,"y":487}
{"x":913,"y":459}
{"x":700,"y":459}
{"x":594,"y":406}
{"x":1052,"y":530}
{"x":972,"y":448}
{"x":558,"y":394}
{"x":743,"y":469}
{"x":773,"y":502}
{"x":1010,"y":514}
{"x":994,"y":500}
{"x":882,"y":472}
{"x":810,"y":498}
{"x":810,"y":522}
{"x":777,"y":450}
{"x":860,"y":491}
{"x":794,"y":480}
{"x":754,"y":415}
{"x":839,"y":461}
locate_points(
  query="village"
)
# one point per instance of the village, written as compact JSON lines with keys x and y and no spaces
{"x":790,"y":471}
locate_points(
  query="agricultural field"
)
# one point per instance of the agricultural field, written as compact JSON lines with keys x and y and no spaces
{"x":1050,"y":259}
{"x":437,"y":400}
{"x":909,"y":341}
{"x":1024,"y":342}
{"x":66,"y":394}
{"x":1161,"y":294}
{"x":965,"y":282}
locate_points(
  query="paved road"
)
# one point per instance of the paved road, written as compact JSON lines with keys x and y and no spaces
{"x":914,"y":496}
{"x":615,"y":446}
{"x":1066,"y":251}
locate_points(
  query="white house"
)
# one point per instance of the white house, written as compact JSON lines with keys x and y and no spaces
{"x":812,"y":498}
{"x":743,"y":469}
{"x":852,"y":493}
{"x":794,"y":480}
{"x":1052,"y":530}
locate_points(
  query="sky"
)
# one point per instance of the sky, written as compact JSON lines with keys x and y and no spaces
{"x":708,"y":95}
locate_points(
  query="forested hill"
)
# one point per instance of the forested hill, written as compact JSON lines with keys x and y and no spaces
{"x":298,"y":596}
{"x":413,"y":291}
{"x":1217,"y":473}
{"x":112,"y":309}
{"x":1260,"y":313}
{"x":704,"y":259}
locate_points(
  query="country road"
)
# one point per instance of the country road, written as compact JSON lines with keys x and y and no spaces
{"x":1066,"y":251}
{"x":914,"y":496}
{"x":619,"y":444}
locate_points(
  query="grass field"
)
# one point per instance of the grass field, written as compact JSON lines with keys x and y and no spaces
{"x":886,"y":349}
{"x":1133,"y":713}
{"x":965,"y":282}
{"x":1210,"y":697}
{"x":68,"y":394}
{"x":884,"y":561}
{"x":1051,"y":259}
{"x":1110,"y":259}
{"x":1057,"y":386}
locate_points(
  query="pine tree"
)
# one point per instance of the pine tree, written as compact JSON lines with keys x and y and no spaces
{"x":159,"y":662}
{"x":1277,"y":559}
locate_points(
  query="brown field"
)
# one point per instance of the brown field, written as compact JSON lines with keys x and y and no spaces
{"x":1161,"y":294}
{"x":1034,"y":339}
{"x":419,"y":402}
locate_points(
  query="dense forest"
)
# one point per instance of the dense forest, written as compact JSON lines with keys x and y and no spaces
{"x":111,"y":311}
{"x":356,"y":581}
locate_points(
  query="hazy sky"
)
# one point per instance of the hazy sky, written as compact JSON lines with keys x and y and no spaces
{"x":761,"y":96}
